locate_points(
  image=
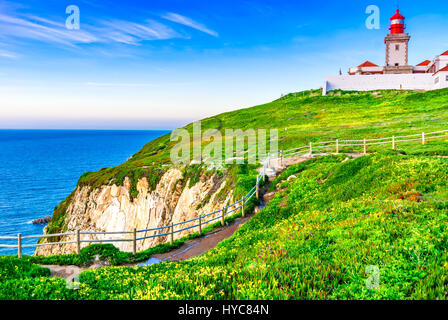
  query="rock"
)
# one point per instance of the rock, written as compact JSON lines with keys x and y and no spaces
{"x":42,"y":220}
{"x":291,"y":177}
{"x":268,"y":197}
{"x":110,"y":208}
{"x":270,"y":172}
{"x":278,"y":186}
{"x":114,"y":191}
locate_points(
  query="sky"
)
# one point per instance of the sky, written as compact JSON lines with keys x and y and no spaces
{"x":162,"y":64}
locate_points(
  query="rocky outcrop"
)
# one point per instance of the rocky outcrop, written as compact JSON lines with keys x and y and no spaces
{"x":41,"y":220}
{"x":110,"y":208}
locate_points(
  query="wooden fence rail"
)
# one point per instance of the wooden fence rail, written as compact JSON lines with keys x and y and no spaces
{"x":307,"y":150}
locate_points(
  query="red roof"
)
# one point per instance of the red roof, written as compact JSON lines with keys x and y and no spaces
{"x":445,"y":53}
{"x":424,"y":63}
{"x":367,"y":64}
{"x":443,"y":69}
{"x":397,"y":16}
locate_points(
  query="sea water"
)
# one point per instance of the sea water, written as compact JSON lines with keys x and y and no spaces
{"x":40,"y":168}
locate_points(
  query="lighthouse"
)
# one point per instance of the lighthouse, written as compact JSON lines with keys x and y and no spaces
{"x":397,"y":46}
{"x":397,"y":74}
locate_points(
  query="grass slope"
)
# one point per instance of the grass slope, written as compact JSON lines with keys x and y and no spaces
{"x":308,"y":117}
{"x":313,"y":241}
{"x":322,"y":231}
{"x":301,"y":118}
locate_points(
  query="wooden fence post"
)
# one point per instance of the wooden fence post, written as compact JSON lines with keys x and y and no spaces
{"x":423,"y":138}
{"x":200,"y":224}
{"x":223,"y":212}
{"x":311,"y":149}
{"x":257,"y":190}
{"x":78,"y":241}
{"x":281,"y":158}
{"x":337,"y":146}
{"x":365,"y":146}
{"x":393,"y":142}
{"x":134,"y":241}
{"x":242,"y":208}
{"x":172,"y":233}
{"x":19,"y":245}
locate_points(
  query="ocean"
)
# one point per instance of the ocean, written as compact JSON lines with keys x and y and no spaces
{"x":39,"y":169}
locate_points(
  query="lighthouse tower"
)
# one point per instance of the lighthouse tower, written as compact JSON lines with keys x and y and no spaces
{"x":397,"y":45}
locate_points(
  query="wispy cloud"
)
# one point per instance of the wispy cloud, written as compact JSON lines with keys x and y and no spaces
{"x":134,"y":85}
{"x":36,"y":28}
{"x":177,"y":18}
{"x":18,"y":25}
{"x":134,"y":33}
{"x":7,"y":54}
{"x":112,"y":84}
{"x":33,"y":27}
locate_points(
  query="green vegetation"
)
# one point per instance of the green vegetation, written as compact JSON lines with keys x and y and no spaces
{"x":323,"y":229}
{"x":301,"y":118}
{"x":56,"y":224}
{"x":20,"y":279}
{"x":308,"y":117}
{"x":314,"y":240}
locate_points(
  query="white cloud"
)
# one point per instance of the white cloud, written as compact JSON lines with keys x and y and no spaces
{"x":41,"y":29}
{"x":35,"y":28}
{"x":15,"y":25}
{"x":174,"y":17}
{"x":111,"y":84}
{"x":7,"y":54}
{"x":134,"y":33}
{"x":135,"y":85}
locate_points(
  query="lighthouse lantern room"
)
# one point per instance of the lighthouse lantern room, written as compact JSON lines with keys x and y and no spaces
{"x":397,"y":46}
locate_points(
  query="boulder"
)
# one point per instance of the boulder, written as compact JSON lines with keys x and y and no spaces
{"x":42,"y":220}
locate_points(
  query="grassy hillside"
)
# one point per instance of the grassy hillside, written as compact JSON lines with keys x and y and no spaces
{"x":301,"y":118}
{"x":322,"y":231}
{"x":313,"y":241}
{"x":308,"y":117}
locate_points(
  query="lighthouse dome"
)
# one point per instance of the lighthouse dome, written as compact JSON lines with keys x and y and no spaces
{"x":397,"y":16}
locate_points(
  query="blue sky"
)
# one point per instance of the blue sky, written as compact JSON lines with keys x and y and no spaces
{"x":161,"y":64}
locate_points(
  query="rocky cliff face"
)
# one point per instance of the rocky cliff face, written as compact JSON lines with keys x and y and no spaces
{"x":111,"y":208}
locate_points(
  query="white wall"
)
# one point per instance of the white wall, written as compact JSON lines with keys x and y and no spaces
{"x":441,"y":62}
{"x":443,"y":80}
{"x":397,"y":56}
{"x":380,"y":82}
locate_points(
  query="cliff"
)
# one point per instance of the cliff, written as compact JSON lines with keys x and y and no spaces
{"x":135,"y":194}
{"x":112,"y":208}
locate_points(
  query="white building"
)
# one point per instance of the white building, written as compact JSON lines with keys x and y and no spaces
{"x":397,"y":74}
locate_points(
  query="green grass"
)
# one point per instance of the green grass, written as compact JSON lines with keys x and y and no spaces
{"x":300,"y":118}
{"x":323,"y":229}
{"x":314,"y":240}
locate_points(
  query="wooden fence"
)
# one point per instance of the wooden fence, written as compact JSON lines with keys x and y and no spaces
{"x":319,"y":148}
{"x":135,"y":235}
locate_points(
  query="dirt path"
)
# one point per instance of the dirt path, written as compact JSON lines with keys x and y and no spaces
{"x":196,"y":247}
{"x":70,"y":272}
{"x":66,"y":272}
{"x":193,"y":247}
